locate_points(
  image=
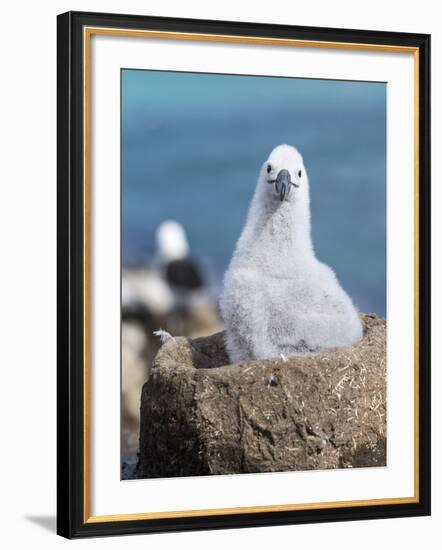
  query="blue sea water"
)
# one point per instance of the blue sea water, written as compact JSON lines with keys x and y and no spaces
{"x":192,"y":146}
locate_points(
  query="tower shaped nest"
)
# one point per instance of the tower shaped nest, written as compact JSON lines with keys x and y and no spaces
{"x":201,"y":416}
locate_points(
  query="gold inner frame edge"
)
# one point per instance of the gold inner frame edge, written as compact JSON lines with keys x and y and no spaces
{"x":87,"y":33}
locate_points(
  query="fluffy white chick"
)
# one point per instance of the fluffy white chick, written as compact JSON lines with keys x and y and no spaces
{"x":277,"y":297}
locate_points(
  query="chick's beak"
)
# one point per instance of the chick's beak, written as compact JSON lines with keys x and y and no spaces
{"x":283,"y":184}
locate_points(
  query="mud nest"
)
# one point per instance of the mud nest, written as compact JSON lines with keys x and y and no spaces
{"x":201,"y":416}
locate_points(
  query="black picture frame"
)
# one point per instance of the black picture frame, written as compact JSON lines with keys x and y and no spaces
{"x":72,"y":519}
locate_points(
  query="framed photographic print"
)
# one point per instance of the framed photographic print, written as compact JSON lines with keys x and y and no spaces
{"x":243,"y":274}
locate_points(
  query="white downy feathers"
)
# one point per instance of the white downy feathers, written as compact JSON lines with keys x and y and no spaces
{"x":164,"y":336}
{"x":278,"y":298}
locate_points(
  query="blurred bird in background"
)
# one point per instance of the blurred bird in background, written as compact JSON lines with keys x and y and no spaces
{"x":181,"y":271}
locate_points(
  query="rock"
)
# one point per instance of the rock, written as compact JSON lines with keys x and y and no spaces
{"x":146,"y":287}
{"x":134,"y":371}
{"x":201,"y":416}
{"x":128,"y":470}
{"x":202,"y":317}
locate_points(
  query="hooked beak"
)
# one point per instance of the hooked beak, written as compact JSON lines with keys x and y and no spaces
{"x":283,"y":184}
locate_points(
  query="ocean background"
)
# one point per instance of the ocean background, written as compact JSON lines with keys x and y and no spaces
{"x":192,"y":146}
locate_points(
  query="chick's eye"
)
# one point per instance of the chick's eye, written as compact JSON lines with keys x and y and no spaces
{"x":299,"y":173}
{"x":269,"y":168}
